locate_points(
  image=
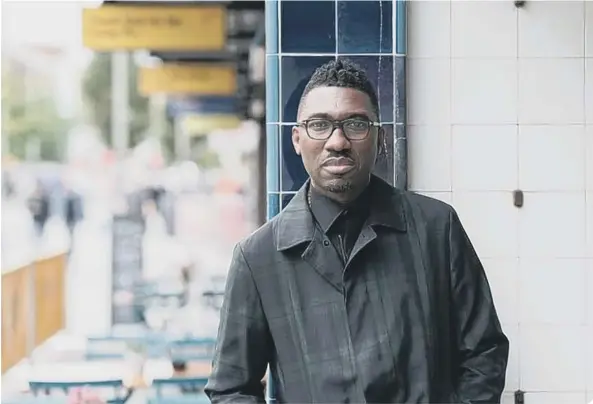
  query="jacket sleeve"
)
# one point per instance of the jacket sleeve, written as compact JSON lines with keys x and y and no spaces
{"x":482,"y":348}
{"x":243,"y":346}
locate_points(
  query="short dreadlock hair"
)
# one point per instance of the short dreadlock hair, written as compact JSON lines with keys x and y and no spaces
{"x":342,"y":73}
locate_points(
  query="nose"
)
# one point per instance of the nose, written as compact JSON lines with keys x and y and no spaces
{"x":337,"y":141}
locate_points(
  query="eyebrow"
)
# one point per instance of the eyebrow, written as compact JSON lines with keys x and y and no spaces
{"x":325,"y":115}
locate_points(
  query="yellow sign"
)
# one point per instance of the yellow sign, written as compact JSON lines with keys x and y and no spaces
{"x":16,"y":306}
{"x":162,"y":28}
{"x":200,"y":125}
{"x":188,"y":79}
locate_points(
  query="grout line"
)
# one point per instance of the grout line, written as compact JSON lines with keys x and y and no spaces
{"x":294,"y":123}
{"x":336,"y":28}
{"x":280,"y":107}
{"x":325,"y":54}
{"x":394,"y":29}
{"x":518,"y":224}
{"x":451,"y":85}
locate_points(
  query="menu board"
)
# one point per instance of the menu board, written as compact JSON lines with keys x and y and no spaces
{"x":128,"y":232}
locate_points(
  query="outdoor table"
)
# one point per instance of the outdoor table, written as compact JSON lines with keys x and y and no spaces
{"x":118,"y":376}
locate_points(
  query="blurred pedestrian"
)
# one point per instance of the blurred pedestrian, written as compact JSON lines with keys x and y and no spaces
{"x":38,"y":204}
{"x":74,"y":211}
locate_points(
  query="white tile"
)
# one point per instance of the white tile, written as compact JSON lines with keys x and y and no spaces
{"x":589,"y":307}
{"x":589,"y":359}
{"x":503,"y":277}
{"x":484,"y":91}
{"x":429,"y":163}
{"x":490,"y":219}
{"x":589,"y":88}
{"x":552,"y":29}
{"x":552,"y":360}
{"x":484,"y":158}
{"x":441,"y":196}
{"x":551,"y":158}
{"x":589,"y":158}
{"x":589,"y":32}
{"x":553,"y":291}
{"x":483,"y":29}
{"x":429,"y":29}
{"x":551,"y":91}
{"x":513,"y":376}
{"x":429,"y":91}
{"x":555,"y":398}
{"x":589,"y":220}
{"x":552,"y":225}
{"x":508,"y":397}
{"x":590,"y":397}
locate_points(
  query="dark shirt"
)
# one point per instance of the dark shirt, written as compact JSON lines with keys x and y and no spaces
{"x":341,"y":223}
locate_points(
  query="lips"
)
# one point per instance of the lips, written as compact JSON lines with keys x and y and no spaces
{"x":338,"y":166}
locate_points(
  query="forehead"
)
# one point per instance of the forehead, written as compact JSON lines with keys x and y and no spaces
{"x":336,"y":102}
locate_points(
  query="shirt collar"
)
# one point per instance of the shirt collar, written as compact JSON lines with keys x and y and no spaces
{"x":295,"y":224}
{"x":326,"y":211}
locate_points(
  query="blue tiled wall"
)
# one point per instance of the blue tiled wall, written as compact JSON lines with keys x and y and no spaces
{"x":302,"y":35}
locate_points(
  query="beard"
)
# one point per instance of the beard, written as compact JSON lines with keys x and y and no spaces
{"x":338,"y":186}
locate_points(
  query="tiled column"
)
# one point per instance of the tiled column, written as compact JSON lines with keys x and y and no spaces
{"x":302,"y":35}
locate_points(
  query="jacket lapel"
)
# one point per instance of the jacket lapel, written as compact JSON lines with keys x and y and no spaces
{"x":295,"y":227}
{"x":323,"y":257}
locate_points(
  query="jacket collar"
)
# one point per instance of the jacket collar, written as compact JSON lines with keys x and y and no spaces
{"x":296,"y":225}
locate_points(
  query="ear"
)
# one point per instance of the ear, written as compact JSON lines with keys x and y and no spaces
{"x":380,"y":140}
{"x":296,"y":137}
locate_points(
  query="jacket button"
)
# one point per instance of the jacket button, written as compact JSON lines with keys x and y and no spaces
{"x":326,"y":243}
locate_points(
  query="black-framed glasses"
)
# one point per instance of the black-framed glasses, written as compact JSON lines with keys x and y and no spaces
{"x":352,"y":128}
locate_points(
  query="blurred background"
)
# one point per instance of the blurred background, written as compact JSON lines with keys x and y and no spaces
{"x":131,"y":165}
{"x":142,"y":140}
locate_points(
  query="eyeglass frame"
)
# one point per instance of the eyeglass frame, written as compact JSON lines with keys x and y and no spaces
{"x":339,"y":124}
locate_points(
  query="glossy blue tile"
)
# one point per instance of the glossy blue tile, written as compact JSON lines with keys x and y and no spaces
{"x":384,"y":166}
{"x":273,"y":158}
{"x":399,"y":69}
{"x":365,"y":26}
{"x":286,"y":198}
{"x":400,"y":157}
{"x":401,"y":30}
{"x":273,"y":205}
{"x":308,"y":26}
{"x":380,"y":71}
{"x":272,"y":86}
{"x":296,"y":72}
{"x":293,"y":171}
{"x":271,"y":26}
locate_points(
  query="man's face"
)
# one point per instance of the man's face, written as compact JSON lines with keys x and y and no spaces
{"x":337,"y":166}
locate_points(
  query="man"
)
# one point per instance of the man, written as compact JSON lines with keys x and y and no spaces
{"x":356,"y":292}
{"x":74,"y":212}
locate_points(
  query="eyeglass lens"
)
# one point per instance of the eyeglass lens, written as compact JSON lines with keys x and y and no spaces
{"x":323,"y":128}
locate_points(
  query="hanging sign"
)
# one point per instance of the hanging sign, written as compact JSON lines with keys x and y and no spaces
{"x":197,"y":79}
{"x":163,"y":28}
{"x":200,"y":125}
{"x":201,"y":105}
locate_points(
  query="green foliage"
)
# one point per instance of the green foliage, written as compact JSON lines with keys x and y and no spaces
{"x":202,"y":155}
{"x":208,"y":159}
{"x":97,"y":91}
{"x":31,"y":121}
